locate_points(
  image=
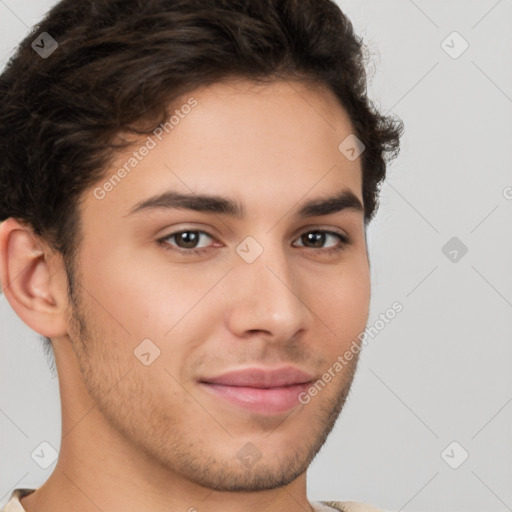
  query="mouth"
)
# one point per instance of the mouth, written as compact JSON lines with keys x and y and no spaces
{"x":260,"y":391}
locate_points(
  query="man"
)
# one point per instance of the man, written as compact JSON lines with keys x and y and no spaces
{"x":185,"y":189}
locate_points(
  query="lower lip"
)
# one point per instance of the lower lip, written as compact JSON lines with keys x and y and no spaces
{"x":260,"y":400}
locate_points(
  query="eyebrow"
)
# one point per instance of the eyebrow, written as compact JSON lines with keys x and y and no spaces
{"x":344,"y":200}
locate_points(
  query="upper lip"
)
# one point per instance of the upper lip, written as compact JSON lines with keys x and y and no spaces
{"x":262,"y":377}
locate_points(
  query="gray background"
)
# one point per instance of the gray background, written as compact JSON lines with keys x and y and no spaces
{"x":440,"y":371}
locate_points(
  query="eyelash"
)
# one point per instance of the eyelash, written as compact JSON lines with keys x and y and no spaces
{"x":344,"y":241}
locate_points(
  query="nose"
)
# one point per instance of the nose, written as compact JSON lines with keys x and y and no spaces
{"x":265,"y":299}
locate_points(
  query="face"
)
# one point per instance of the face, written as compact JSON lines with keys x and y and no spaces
{"x":173,"y":293}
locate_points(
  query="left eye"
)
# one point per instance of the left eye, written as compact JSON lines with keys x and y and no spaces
{"x":187,"y":239}
{"x":319,"y":238}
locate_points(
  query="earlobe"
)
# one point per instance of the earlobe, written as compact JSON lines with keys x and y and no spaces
{"x":33,"y":279}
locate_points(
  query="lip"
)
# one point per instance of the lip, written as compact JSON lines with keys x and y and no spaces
{"x":261,"y":390}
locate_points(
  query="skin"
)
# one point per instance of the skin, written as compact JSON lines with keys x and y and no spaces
{"x":138,"y":437}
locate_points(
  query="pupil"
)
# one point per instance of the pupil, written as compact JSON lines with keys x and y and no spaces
{"x":188,"y":239}
{"x":316,"y":238}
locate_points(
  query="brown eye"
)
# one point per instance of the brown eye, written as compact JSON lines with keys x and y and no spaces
{"x":191,"y":240}
{"x":187,"y":239}
{"x":317,"y":240}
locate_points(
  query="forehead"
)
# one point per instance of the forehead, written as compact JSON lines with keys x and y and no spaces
{"x":260,"y":144}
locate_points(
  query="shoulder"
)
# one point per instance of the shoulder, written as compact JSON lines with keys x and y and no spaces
{"x":348,"y":506}
{"x":14,"y":504}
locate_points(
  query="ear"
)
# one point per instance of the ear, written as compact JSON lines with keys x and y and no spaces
{"x":33,"y":279}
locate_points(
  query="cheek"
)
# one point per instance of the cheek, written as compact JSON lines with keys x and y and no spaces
{"x":141,"y":296}
{"x":344,"y":302}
